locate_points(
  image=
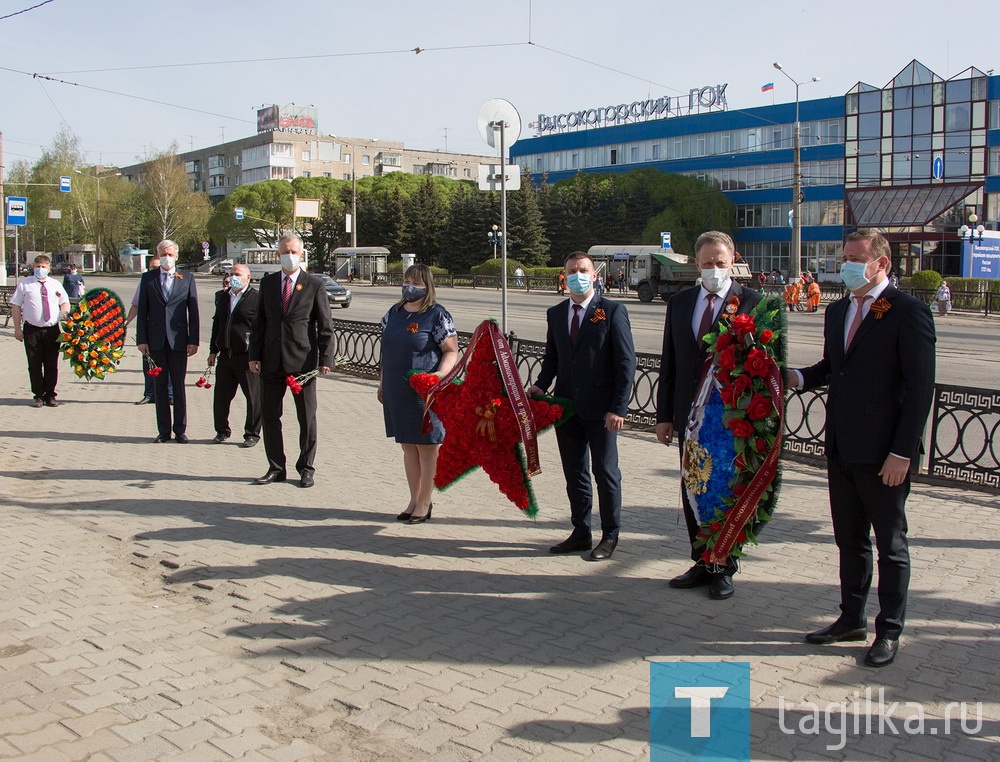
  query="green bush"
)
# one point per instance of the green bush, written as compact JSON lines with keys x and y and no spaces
{"x":544,"y":272}
{"x":494,"y":267}
{"x":925,"y":280}
{"x":397,"y":267}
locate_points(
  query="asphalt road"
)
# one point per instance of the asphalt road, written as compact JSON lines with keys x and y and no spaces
{"x":968,"y":345}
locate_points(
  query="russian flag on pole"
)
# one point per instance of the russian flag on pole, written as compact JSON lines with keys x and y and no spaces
{"x":768,"y":86}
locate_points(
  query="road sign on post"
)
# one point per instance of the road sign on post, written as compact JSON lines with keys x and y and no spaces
{"x":664,"y":240}
{"x":65,"y":183}
{"x":937,"y":168}
{"x":17,"y":210}
{"x":239,"y":212}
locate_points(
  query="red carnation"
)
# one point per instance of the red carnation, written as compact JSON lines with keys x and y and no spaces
{"x":760,"y":407}
{"x":757,"y":363}
{"x":741,"y":428}
{"x":766,"y":337}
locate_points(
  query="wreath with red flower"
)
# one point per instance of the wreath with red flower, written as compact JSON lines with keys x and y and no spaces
{"x":488,"y":418}
{"x":93,"y":334}
{"x":730,"y":468}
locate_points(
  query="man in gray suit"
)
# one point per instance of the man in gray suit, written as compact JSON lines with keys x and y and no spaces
{"x":167,"y":330}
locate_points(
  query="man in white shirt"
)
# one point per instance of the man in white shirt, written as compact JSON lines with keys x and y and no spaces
{"x":37,"y":306}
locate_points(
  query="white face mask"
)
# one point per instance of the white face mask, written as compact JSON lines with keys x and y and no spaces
{"x":235,"y":284}
{"x":713,"y":278}
{"x":167,"y":263}
{"x":289,"y":262}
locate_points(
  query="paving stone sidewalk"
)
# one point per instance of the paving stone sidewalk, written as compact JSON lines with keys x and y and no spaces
{"x":156,"y":605}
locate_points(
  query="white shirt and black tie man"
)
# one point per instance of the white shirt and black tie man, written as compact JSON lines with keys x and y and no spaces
{"x":37,"y":306}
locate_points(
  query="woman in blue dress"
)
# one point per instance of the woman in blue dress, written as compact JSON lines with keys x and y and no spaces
{"x":417,"y":332}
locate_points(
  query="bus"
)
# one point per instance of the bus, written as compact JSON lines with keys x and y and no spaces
{"x":263,"y":261}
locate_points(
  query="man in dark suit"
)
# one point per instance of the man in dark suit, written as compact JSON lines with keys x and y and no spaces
{"x":589,"y":352}
{"x":235,"y":309}
{"x":292,"y":334}
{"x":692,"y":313}
{"x":167,"y":329}
{"x":878,"y":359}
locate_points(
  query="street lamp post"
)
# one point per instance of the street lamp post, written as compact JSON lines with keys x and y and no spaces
{"x":97,"y":213}
{"x":972,"y":233}
{"x":495,"y":237}
{"x":795,"y":266}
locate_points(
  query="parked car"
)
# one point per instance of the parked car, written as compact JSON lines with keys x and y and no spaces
{"x":336,"y":293}
{"x":223,"y":267}
{"x":14,"y":268}
{"x":64,"y":268}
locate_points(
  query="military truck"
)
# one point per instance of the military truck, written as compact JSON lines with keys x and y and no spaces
{"x":653,"y":271}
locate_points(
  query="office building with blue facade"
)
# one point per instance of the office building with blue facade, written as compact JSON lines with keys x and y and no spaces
{"x":914,"y":159}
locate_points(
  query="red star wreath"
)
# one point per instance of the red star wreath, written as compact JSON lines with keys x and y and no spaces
{"x":488,"y":419}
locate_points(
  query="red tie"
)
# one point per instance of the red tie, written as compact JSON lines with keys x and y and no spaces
{"x":856,"y":323}
{"x":574,"y":328}
{"x":46,"y":310}
{"x":707,"y":319}
{"x":286,"y":293}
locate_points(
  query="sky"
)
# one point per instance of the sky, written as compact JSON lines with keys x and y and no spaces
{"x":132,"y":77}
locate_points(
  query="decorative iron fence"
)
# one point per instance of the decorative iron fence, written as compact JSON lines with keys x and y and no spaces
{"x":963,"y":445}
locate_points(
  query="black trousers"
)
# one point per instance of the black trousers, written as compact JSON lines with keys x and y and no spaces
{"x":231,"y":373}
{"x":860,"y":503}
{"x":580,"y":441}
{"x":174,"y":366}
{"x":41,"y":345}
{"x":272,"y":393}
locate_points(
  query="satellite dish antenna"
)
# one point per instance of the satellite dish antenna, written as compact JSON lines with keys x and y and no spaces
{"x":493,"y":112}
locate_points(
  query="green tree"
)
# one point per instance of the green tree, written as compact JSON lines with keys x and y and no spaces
{"x":174,"y":211}
{"x":267,"y":208}
{"x":525,"y":232}
{"x":471,"y":215}
{"x":423,"y":222}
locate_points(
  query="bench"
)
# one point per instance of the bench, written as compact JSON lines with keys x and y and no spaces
{"x":6,"y":292}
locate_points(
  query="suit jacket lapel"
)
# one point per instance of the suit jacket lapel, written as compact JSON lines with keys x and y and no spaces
{"x":585,"y":319}
{"x":888,"y":293}
{"x":837,"y":318}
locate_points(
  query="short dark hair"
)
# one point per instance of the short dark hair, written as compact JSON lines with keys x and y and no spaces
{"x":579,"y":255}
{"x":879,"y":245}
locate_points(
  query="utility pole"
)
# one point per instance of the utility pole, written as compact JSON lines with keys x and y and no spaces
{"x":354,"y":207}
{"x":3,"y":224}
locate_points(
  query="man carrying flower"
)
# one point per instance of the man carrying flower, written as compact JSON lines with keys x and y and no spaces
{"x":691,"y":314}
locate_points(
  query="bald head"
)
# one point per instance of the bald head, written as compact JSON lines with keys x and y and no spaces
{"x":242,"y":270}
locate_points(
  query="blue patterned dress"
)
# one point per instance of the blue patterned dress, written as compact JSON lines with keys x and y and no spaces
{"x":411,"y":340}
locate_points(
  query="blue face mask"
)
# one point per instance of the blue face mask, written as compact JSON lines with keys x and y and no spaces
{"x":235,"y":283}
{"x":41,"y":272}
{"x":579,"y":283}
{"x":853,"y":275}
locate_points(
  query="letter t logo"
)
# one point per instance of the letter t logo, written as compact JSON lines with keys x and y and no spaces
{"x":701,"y":707}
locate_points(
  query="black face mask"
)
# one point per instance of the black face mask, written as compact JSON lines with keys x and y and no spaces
{"x":413,"y":293}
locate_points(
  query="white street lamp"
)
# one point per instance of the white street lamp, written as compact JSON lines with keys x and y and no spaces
{"x":495,"y":237}
{"x":97,"y":213}
{"x":795,"y":267}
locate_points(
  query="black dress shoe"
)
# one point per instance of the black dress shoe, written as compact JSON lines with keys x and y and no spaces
{"x":161,"y":439}
{"x":838,"y":632}
{"x":573,"y":544}
{"x":37,"y":402}
{"x":220,"y":438}
{"x":696,"y":576}
{"x":181,"y":438}
{"x":604,"y":550}
{"x":405,"y":515}
{"x":250,"y":442}
{"x":882,"y":653}
{"x":307,"y":479}
{"x":51,"y":402}
{"x":421,"y":519}
{"x":144,"y":401}
{"x":721,"y":587}
{"x":271,"y":476}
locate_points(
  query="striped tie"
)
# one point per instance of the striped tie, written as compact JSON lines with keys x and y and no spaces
{"x":46,"y":309}
{"x":286,"y":293}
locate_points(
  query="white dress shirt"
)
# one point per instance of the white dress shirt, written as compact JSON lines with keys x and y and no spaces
{"x":702,"y":305}
{"x":28,"y":296}
{"x":583,"y":310}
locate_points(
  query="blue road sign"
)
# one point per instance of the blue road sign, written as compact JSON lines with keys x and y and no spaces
{"x":65,"y":183}
{"x":937,"y":168}
{"x":664,"y":240}
{"x":17,"y":210}
{"x":239,"y":212}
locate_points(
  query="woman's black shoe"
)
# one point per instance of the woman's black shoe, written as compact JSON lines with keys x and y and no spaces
{"x":404,"y":515}
{"x":421,"y":519}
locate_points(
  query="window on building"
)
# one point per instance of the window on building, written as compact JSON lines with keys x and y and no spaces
{"x":307,"y":155}
{"x":634,"y":154}
{"x":614,"y":155}
{"x":306,"y":173}
{"x":347,"y":176}
{"x":346,"y":158}
{"x":574,"y":160}
{"x":655,"y":152}
{"x":467,"y":172}
{"x":366,"y":160}
{"x":327,"y":174}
